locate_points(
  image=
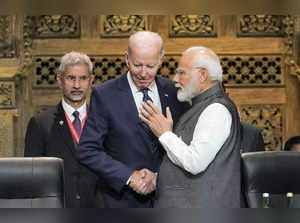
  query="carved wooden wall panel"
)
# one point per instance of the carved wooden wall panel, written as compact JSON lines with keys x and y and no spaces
{"x":122,"y":25}
{"x":192,"y":26}
{"x":7,"y":134}
{"x":255,"y":68}
{"x":289,"y":33}
{"x":261,"y":25}
{"x":7,"y":94}
{"x":269,"y":118}
{"x":7,"y":38}
{"x":241,"y":70}
{"x":46,"y":69}
{"x":106,"y":68}
{"x":28,"y":30}
{"x":56,"y":26}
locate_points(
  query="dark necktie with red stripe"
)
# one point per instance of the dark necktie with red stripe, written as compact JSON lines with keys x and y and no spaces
{"x":77,"y":123}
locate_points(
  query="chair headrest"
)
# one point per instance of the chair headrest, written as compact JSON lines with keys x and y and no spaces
{"x":31,"y":177}
{"x":274,"y":172}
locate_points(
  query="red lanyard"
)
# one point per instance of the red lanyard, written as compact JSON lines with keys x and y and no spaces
{"x":73,"y":131}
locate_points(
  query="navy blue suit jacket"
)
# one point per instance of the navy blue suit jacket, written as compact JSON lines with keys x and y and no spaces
{"x":114,"y":142}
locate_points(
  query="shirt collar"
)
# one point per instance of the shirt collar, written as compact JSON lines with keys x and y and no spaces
{"x":69,"y":109}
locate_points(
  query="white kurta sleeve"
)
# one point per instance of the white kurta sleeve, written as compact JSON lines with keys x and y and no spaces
{"x":211,"y":131}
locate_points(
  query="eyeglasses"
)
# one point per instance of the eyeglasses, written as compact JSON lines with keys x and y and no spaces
{"x":72,"y":78}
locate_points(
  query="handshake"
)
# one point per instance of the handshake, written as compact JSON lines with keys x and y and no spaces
{"x":143,"y":181}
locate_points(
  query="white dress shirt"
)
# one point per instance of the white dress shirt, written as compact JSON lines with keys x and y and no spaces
{"x":211,"y":131}
{"x":138,"y":95}
{"x":69,"y":110}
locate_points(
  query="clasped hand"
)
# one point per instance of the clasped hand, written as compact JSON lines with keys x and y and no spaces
{"x":143,"y":181}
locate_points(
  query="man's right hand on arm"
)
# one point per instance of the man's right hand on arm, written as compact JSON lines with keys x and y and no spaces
{"x":143,"y":181}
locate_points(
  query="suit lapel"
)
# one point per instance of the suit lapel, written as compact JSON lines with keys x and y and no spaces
{"x":127,"y":98}
{"x":63,"y":129}
{"x":128,"y":105}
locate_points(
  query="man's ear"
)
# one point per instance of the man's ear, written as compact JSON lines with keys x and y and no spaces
{"x":162,"y":58}
{"x":58,"y":79}
{"x":203,"y":74}
{"x":127,"y":58}
{"x":92,"y":79}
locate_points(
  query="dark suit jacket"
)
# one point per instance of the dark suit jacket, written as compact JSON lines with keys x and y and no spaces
{"x":252,"y":140}
{"x":114,"y":142}
{"x":48,"y":134}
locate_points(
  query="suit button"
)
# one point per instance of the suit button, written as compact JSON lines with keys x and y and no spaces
{"x":77,"y":196}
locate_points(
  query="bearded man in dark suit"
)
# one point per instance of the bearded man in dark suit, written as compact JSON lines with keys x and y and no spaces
{"x":56,"y":132}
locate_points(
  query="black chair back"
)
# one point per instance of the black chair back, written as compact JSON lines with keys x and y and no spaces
{"x":276,"y":173}
{"x":31,"y":183}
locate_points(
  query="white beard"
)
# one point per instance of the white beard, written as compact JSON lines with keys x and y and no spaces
{"x":187,"y":92}
{"x":184,"y":94}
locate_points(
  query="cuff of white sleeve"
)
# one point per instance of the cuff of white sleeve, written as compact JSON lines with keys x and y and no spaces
{"x":165,"y":137}
{"x":128,"y":181}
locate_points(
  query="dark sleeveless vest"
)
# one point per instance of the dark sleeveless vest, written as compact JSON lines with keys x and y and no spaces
{"x":219,"y":184}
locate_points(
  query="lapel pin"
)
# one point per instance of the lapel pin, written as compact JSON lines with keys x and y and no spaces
{"x":166,"y":95}
{"x":61,"y":122}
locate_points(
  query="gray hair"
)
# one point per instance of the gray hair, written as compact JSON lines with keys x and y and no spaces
{"x":74,"y":58}
{"x":142,"y":36}
{"x":208,"y":59}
